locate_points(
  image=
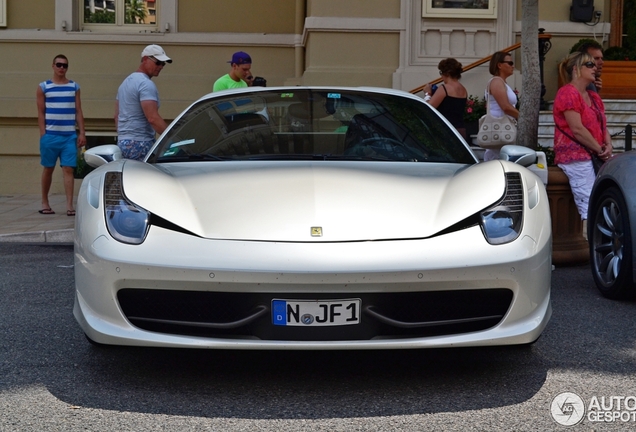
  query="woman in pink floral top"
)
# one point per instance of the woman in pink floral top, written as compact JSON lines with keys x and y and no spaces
{"x":579,"y":116}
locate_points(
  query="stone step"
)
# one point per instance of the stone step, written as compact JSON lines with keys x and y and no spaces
{"x":619,"y":113}
{"x":618,"y":143}
{"x":548,"y":129}
{"x":613,"y":117}
{"x":610,"y":105}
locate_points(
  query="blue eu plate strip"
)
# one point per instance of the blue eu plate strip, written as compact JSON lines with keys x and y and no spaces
{"x":279,"y":312}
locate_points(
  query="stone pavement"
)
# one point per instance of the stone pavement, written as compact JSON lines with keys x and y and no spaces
{"x":21,"y":222}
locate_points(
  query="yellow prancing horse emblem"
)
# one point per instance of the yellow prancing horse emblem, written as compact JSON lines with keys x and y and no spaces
{"x":316,"y":231}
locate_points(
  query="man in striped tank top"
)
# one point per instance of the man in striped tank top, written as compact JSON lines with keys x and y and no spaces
{"x":59,"y":113}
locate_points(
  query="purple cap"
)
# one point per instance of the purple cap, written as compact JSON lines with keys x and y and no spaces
{"x":241,"y":58}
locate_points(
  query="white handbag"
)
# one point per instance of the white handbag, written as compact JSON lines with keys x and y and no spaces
{"x":495,"y":132}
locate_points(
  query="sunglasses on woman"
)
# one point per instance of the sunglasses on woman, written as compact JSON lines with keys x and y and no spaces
{"x":589,"y":65}
{"x":511,"y":63}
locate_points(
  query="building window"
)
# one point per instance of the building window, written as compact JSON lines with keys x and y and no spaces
{"x":126,"y":15}
{"x":459,"y":9}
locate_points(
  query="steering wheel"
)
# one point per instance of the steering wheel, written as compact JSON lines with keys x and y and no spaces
{"x":387,"y":147}
{"x":380,"y":140}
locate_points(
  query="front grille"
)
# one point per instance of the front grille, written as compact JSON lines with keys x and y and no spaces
{"x":513,"y":199}
{"x":248,"y":315}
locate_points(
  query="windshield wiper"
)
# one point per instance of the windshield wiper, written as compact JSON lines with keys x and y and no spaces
{"x":372,"y":158}
{"x":326,"y":157}
{"x":192,"y":157}
{"x":286,"y":157}
{"x":274,"y":157}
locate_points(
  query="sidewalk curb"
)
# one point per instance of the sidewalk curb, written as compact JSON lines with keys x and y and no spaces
{"x":53,"y":236}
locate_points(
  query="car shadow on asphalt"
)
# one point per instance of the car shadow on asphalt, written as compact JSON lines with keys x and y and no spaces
{"x":303,"y":384}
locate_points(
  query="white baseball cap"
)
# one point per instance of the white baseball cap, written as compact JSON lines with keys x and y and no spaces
{"x":157,"y":52}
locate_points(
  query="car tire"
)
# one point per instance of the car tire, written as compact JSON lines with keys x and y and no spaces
{"x":609,"y":236}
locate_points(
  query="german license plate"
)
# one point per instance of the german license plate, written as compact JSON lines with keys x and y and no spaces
{"x":316,"y":312}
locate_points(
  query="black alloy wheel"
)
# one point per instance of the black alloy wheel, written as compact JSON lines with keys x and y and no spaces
{"x":609,"y":235}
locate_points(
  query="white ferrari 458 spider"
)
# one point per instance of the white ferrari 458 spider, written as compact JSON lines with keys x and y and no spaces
{"x":312,"y":218}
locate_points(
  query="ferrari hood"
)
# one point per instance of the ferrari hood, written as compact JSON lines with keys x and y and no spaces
{"x":313,"y":201}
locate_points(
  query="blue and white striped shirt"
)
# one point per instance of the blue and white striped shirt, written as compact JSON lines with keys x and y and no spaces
{"x":59,"y":112}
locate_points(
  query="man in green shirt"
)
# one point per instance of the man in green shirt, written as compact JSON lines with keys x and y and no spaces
{"x":241,"y":64}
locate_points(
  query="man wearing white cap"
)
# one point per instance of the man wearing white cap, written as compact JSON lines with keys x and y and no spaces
{"x":137,"y":106}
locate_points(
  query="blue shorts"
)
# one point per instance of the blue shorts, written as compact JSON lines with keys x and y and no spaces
{"x":63,"y":147}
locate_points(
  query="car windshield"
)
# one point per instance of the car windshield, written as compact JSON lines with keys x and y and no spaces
{"x":311,"y":124}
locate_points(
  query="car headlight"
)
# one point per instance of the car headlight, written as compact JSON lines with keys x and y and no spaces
{"x":125,"y":221}
{"x":502,"y":222}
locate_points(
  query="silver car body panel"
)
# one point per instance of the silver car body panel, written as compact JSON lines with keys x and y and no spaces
{"x":281,"y":200}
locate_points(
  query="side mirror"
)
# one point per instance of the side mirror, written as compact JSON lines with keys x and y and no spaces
{"x":100,"y":155}
{"x":521,"y":155}
{"x":535,"y":161}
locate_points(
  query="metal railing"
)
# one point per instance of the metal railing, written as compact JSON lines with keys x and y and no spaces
{"x":628,"y":136}
{"x":544,"y":47}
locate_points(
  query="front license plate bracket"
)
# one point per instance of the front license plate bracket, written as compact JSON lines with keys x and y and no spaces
{"x":316,"y":313}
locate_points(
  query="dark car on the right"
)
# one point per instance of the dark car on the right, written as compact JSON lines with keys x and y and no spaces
{"x":611,"y":227}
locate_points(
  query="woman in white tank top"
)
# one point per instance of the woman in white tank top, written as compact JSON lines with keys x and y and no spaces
{"x":500,"y":95}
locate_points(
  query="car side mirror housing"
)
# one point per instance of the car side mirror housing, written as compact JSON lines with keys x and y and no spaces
{"x":521,"y":155}
{"x":101,"y":155}
{"x":535,"y":161}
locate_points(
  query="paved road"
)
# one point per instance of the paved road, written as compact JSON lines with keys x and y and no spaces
{"x":52,"y":379}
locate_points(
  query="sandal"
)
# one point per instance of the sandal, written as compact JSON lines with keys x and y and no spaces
{"x":70,"y":212}
{"x":46,"y":211}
